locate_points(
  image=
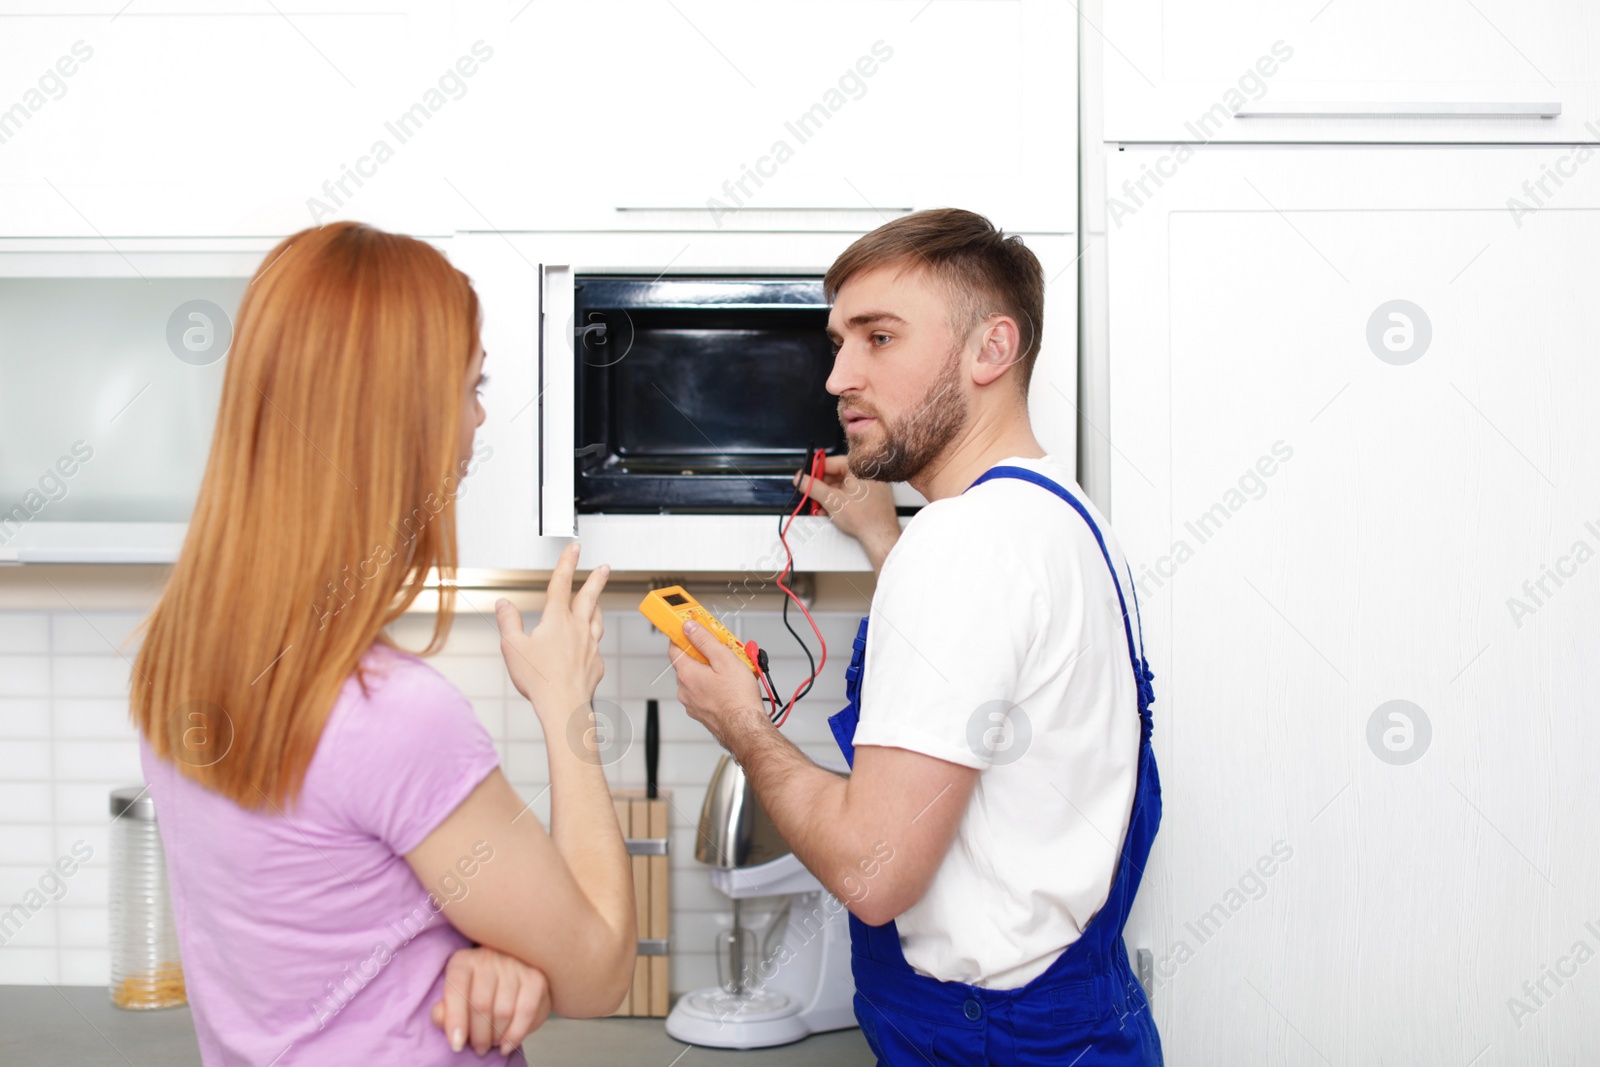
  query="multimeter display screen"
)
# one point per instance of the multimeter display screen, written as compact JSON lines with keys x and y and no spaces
{"x":675,"y":599}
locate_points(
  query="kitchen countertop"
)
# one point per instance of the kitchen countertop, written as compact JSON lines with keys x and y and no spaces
{"x":78,"y":1025}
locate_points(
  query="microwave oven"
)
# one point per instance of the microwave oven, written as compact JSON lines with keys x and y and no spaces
{"x":699,"y":394}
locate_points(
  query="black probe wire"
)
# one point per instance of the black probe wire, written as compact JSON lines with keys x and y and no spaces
{"x":777,"y":712}
{"x":811,"y":662}
{"x":771,"y":687}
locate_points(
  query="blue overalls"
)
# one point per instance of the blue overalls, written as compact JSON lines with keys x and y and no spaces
{"x":1087,"y":1009}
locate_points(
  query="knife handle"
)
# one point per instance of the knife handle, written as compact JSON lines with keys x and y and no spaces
{"x":652,"y":745}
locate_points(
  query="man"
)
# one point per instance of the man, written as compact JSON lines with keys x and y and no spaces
{"x":1003,"y":798}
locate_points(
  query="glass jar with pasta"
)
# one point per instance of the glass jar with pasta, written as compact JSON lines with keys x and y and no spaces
{"x":145,"y":969}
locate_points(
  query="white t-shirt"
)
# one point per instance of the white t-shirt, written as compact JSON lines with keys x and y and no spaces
{"x":997,"y":599}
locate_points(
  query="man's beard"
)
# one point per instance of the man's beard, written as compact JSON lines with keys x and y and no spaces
{"x":915,"y":441}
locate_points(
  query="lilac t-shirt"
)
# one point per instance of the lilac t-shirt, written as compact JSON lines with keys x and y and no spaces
{"x":306,"y":938}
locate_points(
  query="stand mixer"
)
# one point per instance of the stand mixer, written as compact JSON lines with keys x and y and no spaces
{"x":783,"y":982}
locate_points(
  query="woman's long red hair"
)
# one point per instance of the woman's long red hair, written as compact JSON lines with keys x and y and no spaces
{"x":328,"y":497}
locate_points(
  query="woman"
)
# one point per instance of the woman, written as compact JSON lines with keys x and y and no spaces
{"x":337,"y":829}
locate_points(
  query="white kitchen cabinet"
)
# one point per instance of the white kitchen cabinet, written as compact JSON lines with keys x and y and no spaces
{"x":87,"y":353}
{"x":781,"y":115}
{"x":1334,"y":500}
{"x":516,"y":510}
{"x":1352,"y":71}
{"x":227,"y":119}
{"x":238,"y":119}
{"x":498,"y":511}
{"x":111,"y":369}
{"x":111,"y":366}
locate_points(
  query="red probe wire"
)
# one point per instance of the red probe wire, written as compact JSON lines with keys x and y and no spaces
{"x":770,"y":694}
{"x":818,"y":468}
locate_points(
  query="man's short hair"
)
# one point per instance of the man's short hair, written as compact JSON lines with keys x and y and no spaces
{"x":984,"y":272}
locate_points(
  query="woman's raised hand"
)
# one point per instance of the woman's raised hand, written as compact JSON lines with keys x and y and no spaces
{"x":558,"y":665}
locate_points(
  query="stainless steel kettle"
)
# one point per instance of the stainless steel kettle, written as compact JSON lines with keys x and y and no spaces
{"x":734,"y":829}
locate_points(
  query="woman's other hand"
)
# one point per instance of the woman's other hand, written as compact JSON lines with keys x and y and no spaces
{"x":490,"y":999}
{"x":558,"y":665}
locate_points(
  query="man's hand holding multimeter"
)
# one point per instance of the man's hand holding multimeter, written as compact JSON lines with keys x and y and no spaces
{"x":713,"y":689}
{"x":717,"y":676}
{"x":670,"y":609}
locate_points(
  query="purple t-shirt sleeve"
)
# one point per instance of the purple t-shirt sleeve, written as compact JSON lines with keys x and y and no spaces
{"x":415,"y":750}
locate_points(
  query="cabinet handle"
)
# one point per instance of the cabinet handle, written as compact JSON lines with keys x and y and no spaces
{"x":1393,"y":110}
{"x":753,"y":208}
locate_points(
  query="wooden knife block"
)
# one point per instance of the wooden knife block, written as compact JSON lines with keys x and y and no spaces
{"x":644,"y":824}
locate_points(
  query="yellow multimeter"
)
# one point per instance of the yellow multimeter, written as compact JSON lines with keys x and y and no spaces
{"x":669,"y":608}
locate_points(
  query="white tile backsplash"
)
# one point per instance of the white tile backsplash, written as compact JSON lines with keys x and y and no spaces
{"x":98,"y":761}
{"x":91,"y":886}
{"x":15,"y":880}
{"x":78,"y":803}
{"x":100,"y":718}
{"x":521,"y":722}
{"x":97,"y":837}
{"x":28,"y":717}
{"x":491,"y":711}
{"x":25,"y":802}
{"x":24,"y":676}
{"x":25,"y":843}
{"x":29,"y":966}
{"x":85,"y":966}
{"x":66,"y":742}
{"x":97,"y":633}
{"x":90,"y":676}
{"x":646,"y":676}
{"x":81,"y":927}
{"x":37,"y":931}
{"x":24,"y":632}
{"x":25,"y":761}
{"x":476,"y":676}
{"x":526,"y":763}
{"x":636,"y":636}
{"x":692,"y":970}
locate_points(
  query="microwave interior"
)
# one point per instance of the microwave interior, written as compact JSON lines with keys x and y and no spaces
{"x":699,"y":394}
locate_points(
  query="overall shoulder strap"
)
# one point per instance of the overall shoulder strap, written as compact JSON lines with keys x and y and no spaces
{"x":1141,"y":668}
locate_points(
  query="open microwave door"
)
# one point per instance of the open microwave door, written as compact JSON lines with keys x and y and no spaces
{"x":558,"y":514}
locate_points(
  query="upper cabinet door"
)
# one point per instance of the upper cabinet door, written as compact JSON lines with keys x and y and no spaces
{"x":227,"y":120}
{"x":1352,"y":70}
{"x":558,"y":516}
{"x":497,"y":511}
{"x":111,"y":368}
{"x":1352,"y":407}
{"x":782,"y":115}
